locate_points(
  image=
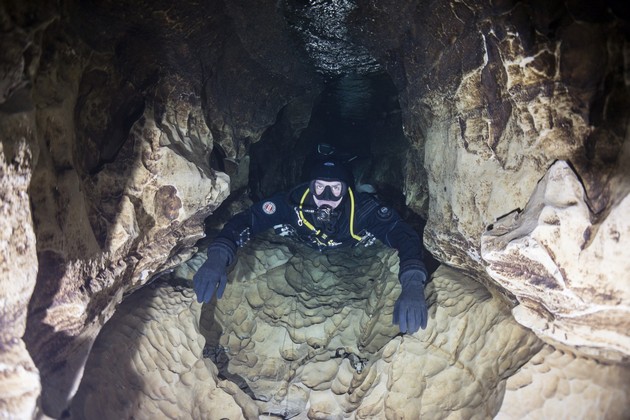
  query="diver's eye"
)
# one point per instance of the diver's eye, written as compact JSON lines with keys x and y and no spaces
{"x":319,"y":188}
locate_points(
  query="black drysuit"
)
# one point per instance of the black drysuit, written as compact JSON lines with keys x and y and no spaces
{"x":359,"y":219}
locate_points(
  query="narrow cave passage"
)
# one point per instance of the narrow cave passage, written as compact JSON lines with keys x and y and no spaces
{"x":126,"y":125}
{"x":322,"y":313}
{"x":358,"y":116}
{"x":356,"y":110}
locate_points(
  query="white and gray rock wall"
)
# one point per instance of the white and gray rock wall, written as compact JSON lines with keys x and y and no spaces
{"x":523,"y":92}
{"x":121,"y":123}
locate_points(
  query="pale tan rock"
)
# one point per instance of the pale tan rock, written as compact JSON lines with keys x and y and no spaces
{"x":19,"y":377}
{"x":557,"y":384}
{"x":489,"y":134}
{"x":108,"y":219}
{"x":20,"y":386}
{"x":485,"y":159}
{"x":148,"y":363}
{"x":348,"y":362}
{"x":105,"y":234}
{"x":457,"y":368}
{"x":569,"y":272}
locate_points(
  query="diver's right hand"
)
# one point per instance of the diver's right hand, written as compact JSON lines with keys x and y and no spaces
{"x":212,"y":276}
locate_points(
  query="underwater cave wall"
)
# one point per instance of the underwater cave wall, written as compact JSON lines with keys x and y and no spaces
{"x":112,"y":113}
{"x":492,"y":95}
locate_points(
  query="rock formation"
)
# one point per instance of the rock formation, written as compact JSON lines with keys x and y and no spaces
{"x":300,"y":333}
{"x":125,"y":125}
{"x":297,"y":332}
{"x":148,"y":363}
{"x":551,"y":257}
{"x":20,"y":384}
{"x":520,"y":88}
{"x":558,"y":384}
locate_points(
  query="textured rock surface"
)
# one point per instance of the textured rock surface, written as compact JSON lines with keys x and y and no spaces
{"x":148,"y":364}
{"x":491,"y":101}
{"x":116,"y":112}
{"x":568,"y":267}
{"x":296,"y":325}
{"x":102,"y":234}
{"x":558,"y":385}
{"x":124,"y":109}
{"x":19,"y":378}
{"x":301,"y":333}
{"x":116,"y":196}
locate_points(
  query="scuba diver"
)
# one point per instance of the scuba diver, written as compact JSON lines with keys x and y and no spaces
{"x":325,"y":213}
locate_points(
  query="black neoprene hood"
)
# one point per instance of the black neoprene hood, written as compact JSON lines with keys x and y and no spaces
{"x":331,"y":170}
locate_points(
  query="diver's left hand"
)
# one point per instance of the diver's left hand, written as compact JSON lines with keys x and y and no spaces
{"x":410,"y":310}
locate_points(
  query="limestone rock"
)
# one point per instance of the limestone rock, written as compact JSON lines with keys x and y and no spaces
{"x":133,"y":112}
{"x":323,"y":361}
{"x":490,"y":103}
{"x":130,"y":205}
{"x":113,"y":232}
{"x":310,"y":334}
{"x":485,"y":160}
{"x":557,"y":384}
{"x":19,"y":385}
{"x":567,"y":267}
{"x":147,"y":363}
{"x":127,"y":107}
{"x":304,"y":334}
{"x":491,"y":100}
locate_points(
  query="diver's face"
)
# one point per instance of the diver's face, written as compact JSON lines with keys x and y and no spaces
{"x":328,"y":193}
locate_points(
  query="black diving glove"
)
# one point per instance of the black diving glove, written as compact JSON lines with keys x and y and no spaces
{"x":410,"y":310}
{"x":212,"y":275}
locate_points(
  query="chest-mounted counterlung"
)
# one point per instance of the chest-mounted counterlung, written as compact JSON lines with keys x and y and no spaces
{"x":323,"y":214}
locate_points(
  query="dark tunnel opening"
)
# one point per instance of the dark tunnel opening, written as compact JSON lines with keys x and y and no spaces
{"x":358,"y":116}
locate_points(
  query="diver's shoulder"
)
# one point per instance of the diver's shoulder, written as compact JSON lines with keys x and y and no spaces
{"x":366,"y":200}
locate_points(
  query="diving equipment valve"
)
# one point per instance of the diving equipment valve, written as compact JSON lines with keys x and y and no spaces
{"x":323,"y":214}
